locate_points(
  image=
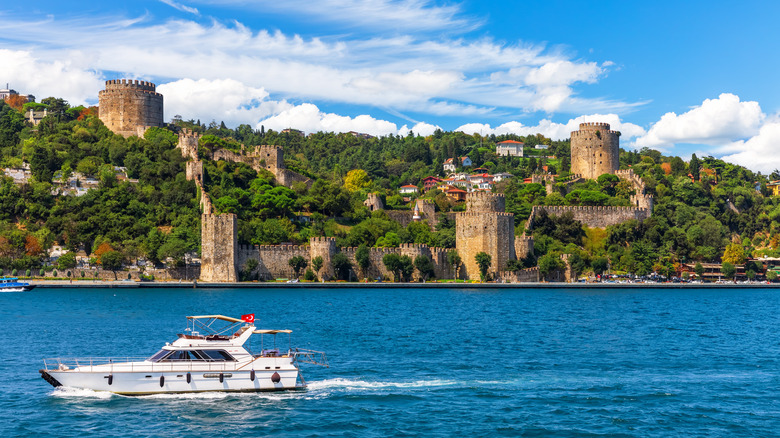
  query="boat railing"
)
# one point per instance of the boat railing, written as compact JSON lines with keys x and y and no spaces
{"x":131,"y":364}
{"x":309,"y":356}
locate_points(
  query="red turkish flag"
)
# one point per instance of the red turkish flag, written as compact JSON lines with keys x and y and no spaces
{"x":248,"y":318}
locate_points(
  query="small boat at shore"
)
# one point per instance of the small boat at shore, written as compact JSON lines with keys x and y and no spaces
{"x":12,"y":284}
{"x":219,"y":360}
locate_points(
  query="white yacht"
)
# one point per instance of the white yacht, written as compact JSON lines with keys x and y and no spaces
{"x":219,"y":360}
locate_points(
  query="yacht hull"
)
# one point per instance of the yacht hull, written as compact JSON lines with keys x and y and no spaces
{"x":175,"y":382}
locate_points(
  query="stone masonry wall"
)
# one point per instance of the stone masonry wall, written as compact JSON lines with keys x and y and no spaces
{"x":218,"y":247}
{"x":640,"y":198}
{"x":595,"y":150}
{"x":594,"y":217}
{"x":127,"y":105}
{"x":492,"y":233}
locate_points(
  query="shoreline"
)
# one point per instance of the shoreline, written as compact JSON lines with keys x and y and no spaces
{"x":345,"y":285}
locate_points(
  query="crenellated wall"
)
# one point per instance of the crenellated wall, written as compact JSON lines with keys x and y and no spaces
{"x":640,"y":198}
{"x":530,"y":275}
{"x":127,"y":107}
{"x":593,"y":217}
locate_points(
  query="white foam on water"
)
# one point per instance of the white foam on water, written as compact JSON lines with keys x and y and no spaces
{"x":349,"y":384}
{"x":64,"y":391}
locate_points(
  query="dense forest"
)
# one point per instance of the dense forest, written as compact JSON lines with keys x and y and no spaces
{"x":705,"y":209}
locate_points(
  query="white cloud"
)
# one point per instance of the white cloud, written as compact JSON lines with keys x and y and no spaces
{"x":395,"y":15}
{"x":59,"y":78}
{"x":221,"y":100}
{"x":181,"y":7}
{"x":308,"y":118}
{"x":556,"y":131}
{"x":402,"y":73}
{"x":420,"y":128}
{"x":716,"y":122}
{"x":760,"y":151}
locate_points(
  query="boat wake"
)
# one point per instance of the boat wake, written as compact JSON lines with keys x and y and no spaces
{"x":66,"y":392}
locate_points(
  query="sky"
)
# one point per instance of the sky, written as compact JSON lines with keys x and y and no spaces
{"x":680,"y":77}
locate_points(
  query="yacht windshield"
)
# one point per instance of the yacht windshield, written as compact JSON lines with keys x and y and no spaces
{"x":159,"y":355}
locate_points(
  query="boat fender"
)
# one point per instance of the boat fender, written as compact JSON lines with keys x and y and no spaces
{"x":221,"y":377}
{"x":276,"y":378}
{"x":162,"y":381}
{"x":110,"y":379}
{"x":189,"y":377}
{"x":252,"y":375}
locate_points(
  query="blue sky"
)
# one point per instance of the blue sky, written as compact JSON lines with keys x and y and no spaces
{"x":680,"y":77}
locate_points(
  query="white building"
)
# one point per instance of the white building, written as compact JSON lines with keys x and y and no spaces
{"x":409,"y":190}
{"x":509,"y":148}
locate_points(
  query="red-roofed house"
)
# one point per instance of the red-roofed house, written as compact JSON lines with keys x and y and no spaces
{"x":456,"y":194}
{"x":509,"y":148}
{"x":409,"y":190}
{"x":430,"y":182}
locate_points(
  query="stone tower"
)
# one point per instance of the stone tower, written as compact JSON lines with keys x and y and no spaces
{"x":128,"y":107}
{"x":485,"y":227}
{"x":218,"y":247}
{"x":594,"y":150}
{"x":324,"y":247}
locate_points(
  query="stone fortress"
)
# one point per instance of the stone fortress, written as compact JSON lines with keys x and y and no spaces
{"x":595,"y":150}
{"x":129,"y":107}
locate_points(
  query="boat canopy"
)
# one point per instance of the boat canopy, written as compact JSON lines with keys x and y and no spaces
{"x":222,"y":317}
{"x":270,"y":332}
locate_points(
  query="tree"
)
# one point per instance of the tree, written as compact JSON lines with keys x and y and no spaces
{"x":66,"y":261}
{"x":424,"y":265}
{"x":694,"y":167}
{"x":393,"y":264}
{"x":406,"y":265}
{"x":453,"y":258}
{"x":363,"y":258}
{"x":771,"y":276}
{"x":484,"y":260}
{"x":341,"y":266}
{"x":111,"y":260}
{"x":599,"y":265}
{"x":728,"y":270}
{"x":356,"y":179}
{"x":297,"y":263}
{"x":699,"y":270}
{"x":550,"y":263}
{"x":316,"y":263}
{"x":734,"y":254}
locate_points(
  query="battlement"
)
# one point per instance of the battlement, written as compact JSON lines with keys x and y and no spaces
{"x":282,"y":248}
{"x":482,"y":214}
{"x":591,"y":126}
{"x":558,"y":209}
{"x":319,"y":239}
{"x":124,"y":84}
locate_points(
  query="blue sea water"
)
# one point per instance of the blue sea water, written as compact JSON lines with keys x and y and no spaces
{"x":412,"y":362}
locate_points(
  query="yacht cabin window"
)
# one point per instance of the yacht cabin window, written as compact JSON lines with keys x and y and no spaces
{"x":194,"y":355}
